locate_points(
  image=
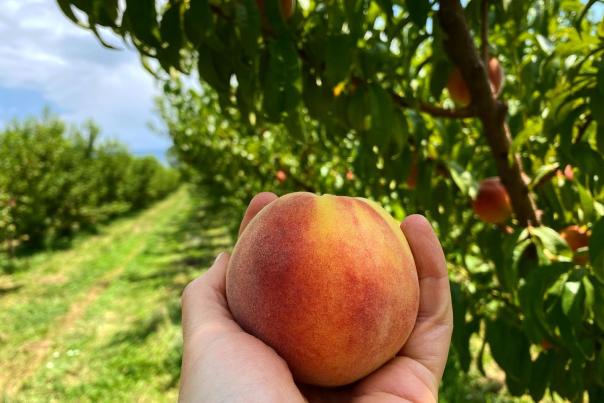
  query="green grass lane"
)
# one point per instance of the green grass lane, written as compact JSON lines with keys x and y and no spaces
{"x":101,"y":321}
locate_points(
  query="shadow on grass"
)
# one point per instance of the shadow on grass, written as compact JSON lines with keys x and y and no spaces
{"x":190,"y":244}
{"x":10,"y":289}
{"x":182,"y":249}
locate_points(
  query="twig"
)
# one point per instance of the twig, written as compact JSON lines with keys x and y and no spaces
{"x":434,"y":110}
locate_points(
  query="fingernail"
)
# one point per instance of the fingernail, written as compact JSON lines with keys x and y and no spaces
{"x":218,"y":258}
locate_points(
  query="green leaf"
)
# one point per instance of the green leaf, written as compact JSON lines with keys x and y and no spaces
{"x":600,"y":138}
{"x":599,"y":372}
{"x":171,"y":35}
{"x":587,"y":158}
{"x":556,"y":249}
{"x":510,"y":349}
{"x":518,"y":244}
{"x":532,"y":296}
{"x":382,"y":116}
{"x":566,"y":122}
{"x":596,"y":249}
{"x":600,"y":77}
{"x":461,"y":329}
{"x":142,"y":20}
{"x":545,"y":45}
{"x":402,"y":164}
{"x":540,"y":376}
{"x":281,"y":80}
{"x":206,"y":65}
{"x":596,"y":104}
{"x":106,"y":12}
{"x":355,"y":15}
{"x":418,"y":11}
{"x":589,"y":295}
{"x":65,"y":6}
{"x":423,"y":189}
{"x":577,"y":22}
{"x":570,"y":297}
{"x":598,"y":304}
{"x":439,"y":77}
{"x":358,"y":109}
{"x":386,"y":6}
{"x":274,"y":17}
{"x":462,"y":178}
{"x":338,"y":58}
{"x":400,"y":130}
{"x":198,"y":21}
{"x":587,"y":202}
{"x":542,"y":171}
{"x":248,"y":26}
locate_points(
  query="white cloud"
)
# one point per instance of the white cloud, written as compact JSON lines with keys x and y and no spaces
{"x":42,"y":50}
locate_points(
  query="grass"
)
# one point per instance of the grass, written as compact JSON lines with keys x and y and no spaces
{"x":101,"y":321}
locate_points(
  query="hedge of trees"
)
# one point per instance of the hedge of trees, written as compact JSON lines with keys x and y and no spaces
{"x":56,"y":180}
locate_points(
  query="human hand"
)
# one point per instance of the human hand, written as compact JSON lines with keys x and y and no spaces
{"x":223,"y":363}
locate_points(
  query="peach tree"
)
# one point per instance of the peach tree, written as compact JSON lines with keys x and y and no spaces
{"x":411,"y":98}
{"x":56,"y":180}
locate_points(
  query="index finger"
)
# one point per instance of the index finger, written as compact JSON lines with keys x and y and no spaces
{"x":257,"y":203}
{"x":429,"y":342}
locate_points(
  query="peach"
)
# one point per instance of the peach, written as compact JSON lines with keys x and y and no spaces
{"x":546,"y":344}
{"x":281,"y":176}
{"x":287,"y":7}
{"x":492,"y":204}
{"x":460,"y":94}
{"x":458,"y":89}
{"x":329,"y":282}
{"x":496,"y":76}
{"x":576,"y":237}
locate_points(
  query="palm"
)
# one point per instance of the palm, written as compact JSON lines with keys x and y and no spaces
{"x":221,"y":361}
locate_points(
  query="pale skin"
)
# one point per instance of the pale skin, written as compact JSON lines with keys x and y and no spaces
{"x":222,"y":363}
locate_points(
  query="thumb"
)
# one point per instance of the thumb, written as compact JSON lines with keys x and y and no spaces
{"x":204,"y":299}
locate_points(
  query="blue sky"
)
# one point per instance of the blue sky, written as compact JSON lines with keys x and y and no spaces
{"x":47,"y":61}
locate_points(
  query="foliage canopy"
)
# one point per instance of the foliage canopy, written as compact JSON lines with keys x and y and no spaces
{"x":359,"y":86}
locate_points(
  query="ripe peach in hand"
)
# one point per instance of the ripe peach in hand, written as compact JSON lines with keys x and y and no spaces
{"x":329,"y":282}
{"x":492,"y":204}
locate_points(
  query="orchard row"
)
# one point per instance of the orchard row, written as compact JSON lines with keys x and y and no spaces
{"x":55,"y":181}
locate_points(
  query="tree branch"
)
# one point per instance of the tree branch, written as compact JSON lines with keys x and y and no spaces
{"x":462,"y":51}
{"x":434,"y":110}
{"x":484,"y":45}
{"x":405,"y":103}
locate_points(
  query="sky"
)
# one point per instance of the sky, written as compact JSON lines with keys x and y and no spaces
{"x":47,"y":61}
